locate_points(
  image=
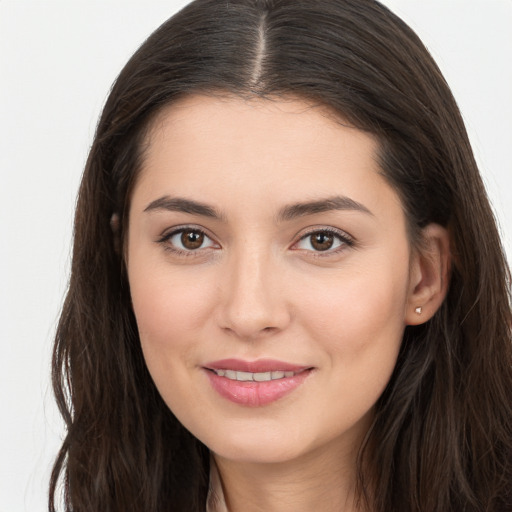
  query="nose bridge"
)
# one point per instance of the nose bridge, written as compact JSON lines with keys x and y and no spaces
{"x":252,"y":300}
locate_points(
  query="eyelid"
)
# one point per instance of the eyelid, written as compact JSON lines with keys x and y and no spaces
{"x":168,"y":233}
{"x":346,"y":239}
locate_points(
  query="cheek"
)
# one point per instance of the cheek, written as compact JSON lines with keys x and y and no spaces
{"x":170,"y":309}
{"x":163,"y":308}
{"x":360,"y":324}
{"x":171,"y":313}
{"x":359,"y":308}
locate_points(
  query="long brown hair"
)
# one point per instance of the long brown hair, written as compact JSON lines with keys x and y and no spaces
{"x":442,"y":435}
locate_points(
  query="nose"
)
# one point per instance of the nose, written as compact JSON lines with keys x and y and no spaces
{"x":253,"y":303}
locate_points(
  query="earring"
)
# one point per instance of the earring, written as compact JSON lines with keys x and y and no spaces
{"x":418,"y":310}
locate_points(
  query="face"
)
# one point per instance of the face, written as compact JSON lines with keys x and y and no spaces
{"x":268,"y":264}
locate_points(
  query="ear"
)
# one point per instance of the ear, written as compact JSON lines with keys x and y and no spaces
{"x":429,"y":275}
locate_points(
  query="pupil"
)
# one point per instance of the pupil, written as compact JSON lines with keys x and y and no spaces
{"x":322,"y":241}
{"x":192,"y":239}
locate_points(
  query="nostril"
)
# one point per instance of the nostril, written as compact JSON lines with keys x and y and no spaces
{"x":246,"y":332}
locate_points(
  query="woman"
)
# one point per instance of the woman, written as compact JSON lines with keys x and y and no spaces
{"x":288,"y":290}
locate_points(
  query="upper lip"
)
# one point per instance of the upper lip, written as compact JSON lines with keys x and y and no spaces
{"x":259,"y":366}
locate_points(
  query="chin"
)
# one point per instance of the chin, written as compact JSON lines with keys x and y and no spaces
{"x":252,"y":445}
{"x":257,"y":453}
{"x":275,"y":448}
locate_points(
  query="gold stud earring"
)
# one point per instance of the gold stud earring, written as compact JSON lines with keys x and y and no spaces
{"x":418,"y":310}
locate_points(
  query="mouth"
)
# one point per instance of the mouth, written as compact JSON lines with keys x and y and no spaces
{"x":255,"y":376}
{"x":255,"y":383}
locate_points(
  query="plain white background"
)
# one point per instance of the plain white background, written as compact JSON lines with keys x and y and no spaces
{"x":57,"y":62}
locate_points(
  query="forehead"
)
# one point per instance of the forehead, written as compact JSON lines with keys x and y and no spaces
{"x":226,"y":113}
{"x":271,"y":150}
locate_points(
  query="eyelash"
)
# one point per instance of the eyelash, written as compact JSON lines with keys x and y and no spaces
{"x":346,"y":241}
{"x":164,"y":240}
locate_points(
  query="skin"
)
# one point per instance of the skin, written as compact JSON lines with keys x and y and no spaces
{"x":257,"y":288}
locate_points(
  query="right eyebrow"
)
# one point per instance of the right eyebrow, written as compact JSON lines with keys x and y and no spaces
{"x":180,"y":204}
{"x":293,"y":211}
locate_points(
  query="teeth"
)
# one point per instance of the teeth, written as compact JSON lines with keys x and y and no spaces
{"x":262,"y":377}
{"x":230,"y":374}
{"x":256,"y":377}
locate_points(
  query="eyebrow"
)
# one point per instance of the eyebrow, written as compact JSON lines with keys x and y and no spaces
{"x":289,"y":212}
{"x":293,"y":211}
{"x":180,"y":204}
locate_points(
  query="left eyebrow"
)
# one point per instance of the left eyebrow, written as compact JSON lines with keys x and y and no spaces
{"x":293,"y":211}
{"x":180,"y":204}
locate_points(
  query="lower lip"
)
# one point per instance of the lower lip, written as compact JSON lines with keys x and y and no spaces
{"x":256,"y":394}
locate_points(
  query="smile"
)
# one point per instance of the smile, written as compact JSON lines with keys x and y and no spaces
{"x":255,"y":383}
{"x":255,"y":377}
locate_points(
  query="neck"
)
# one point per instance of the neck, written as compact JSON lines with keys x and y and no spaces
{"x":322,"y":480}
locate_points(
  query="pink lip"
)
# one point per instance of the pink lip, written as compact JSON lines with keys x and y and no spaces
{"x":255,"y":394}
{"x":259,"y":366}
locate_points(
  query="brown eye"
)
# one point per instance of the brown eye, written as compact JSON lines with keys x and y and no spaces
{"x":322,"y":241}
{"x":192,"y":239}
{"x":186,"y":240}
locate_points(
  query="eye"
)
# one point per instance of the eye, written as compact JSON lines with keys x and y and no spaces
{"x":324,"y":241}
{"x":187,"y":240}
